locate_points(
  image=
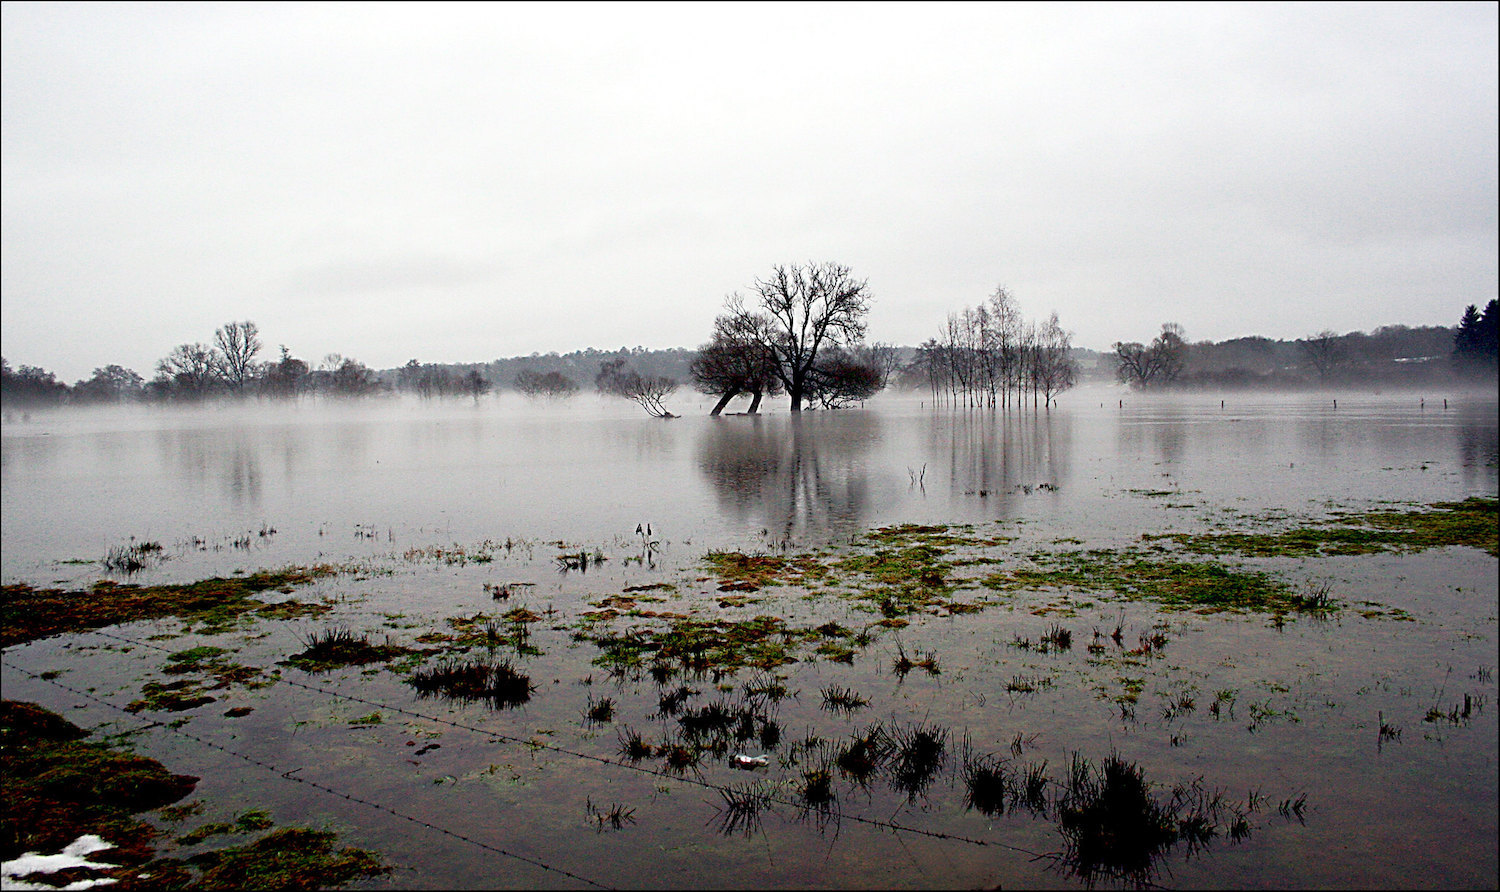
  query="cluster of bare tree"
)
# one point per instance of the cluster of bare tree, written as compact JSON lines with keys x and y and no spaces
{"x":804,"y":337}
{"x":431,"y":380}
{"x":553,"y":385}
{"x":989,"y":355}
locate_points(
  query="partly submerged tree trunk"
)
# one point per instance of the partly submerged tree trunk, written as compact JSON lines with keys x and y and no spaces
{"x":754,"y":402}
{"x":723,"y":401}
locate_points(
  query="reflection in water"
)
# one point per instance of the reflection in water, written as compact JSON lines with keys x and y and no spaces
{"x":225,"y":457}
{"x":999,"y":454}
{"x":798,"y":476}
{"x":1167,"y":435}
{"x":1478,"y":447}
{"x":497,"y":684}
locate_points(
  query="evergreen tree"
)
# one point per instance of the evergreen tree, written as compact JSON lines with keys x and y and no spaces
{"x":1474,"y":341}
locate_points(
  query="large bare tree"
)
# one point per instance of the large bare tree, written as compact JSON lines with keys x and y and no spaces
{"x":805,"y":309}
{"x":738,"y":360}
{"x":236,"y":344}
{"x":1157,"y":363}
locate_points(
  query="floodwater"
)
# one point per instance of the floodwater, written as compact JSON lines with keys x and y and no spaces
{"x":519,"y":795}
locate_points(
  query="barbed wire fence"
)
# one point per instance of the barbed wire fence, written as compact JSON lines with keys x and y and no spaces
{"x":829,"y":814}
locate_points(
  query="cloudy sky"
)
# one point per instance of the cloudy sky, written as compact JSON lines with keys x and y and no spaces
{"x":460,"y":183}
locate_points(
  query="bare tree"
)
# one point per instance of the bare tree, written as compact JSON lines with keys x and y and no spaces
{"x":237,"y":343}
{"x":552,"y":385}
{"x":428,"y":380}
{"x":1155,"y":364}
{"x":475,"y":384}
{"x":738,"y":360}
{"x":883,"y":357}
{"x":1055,"y":369}
{"x":188,"y":370}
{"x":842,"y":377}
{"x":354,"y":378}
{"x":1133,"y":363}
{"x":1322,"y":350}
{"x":1005,"y":342}
{"x":284,"y":377}
{"x":615,"y":378}
{"x":804,"y":310}
{"x":649,"y":390}
{"x":1172,"y":350}
{"x":110,"y":384}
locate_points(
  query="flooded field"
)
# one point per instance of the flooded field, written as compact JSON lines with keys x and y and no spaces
{"x":1130,"y":641}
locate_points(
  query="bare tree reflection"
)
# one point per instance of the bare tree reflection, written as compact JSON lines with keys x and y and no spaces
{"x":1003,"y":455}
{"x":800,"y":477}
{"x":1164,"y":429}
{"x":222,"y":456}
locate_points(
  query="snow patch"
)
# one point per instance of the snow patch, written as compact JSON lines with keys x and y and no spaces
{"x":74,"y":854}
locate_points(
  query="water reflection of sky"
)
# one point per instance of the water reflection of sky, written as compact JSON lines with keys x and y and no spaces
{"x":589,"y":470}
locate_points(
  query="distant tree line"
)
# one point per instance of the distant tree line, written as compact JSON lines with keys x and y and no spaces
{"x":802,"y":333}
{"x":1392,"y":355}
{"x":225,"y":368}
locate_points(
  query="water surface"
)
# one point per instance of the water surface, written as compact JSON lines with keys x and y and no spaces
{"x":390,"y":488}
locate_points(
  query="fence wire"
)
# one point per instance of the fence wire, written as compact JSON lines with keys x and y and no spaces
{"x":833,"y":815}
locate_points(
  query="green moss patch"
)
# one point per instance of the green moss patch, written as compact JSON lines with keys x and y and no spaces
{"x":28,"y":613}
{"x":1471,"y":522}
{"x":209,"y":669}
{"x":938,"y":536}
{"x":1184,"y":585}
{"x":763,"y":642}
{"x":906,"y":579}
{"x":738,"y":571}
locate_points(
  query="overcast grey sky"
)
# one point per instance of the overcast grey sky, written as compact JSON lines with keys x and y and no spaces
{"x":460,"y":183}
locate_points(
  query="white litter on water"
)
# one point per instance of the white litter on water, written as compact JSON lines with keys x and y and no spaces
{"x":73,"y":855}
{"x":743,"y":761}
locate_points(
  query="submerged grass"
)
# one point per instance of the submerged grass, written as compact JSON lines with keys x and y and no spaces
{"x":495,"y":683}
{"x":207,"y":669}
{"x":763,"y":642}
{"x":738,"y":571}
{"x":1176,"y":584}
{"x":1471,"y":522}
{"x":287,"y":858}
{"x":336,"y":648}
{"x":28,"y":613}
{"x":59,"y":787}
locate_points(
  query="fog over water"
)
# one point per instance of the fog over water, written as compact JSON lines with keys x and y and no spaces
{"x":339,"y":480}
{"x":450,"y":524}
